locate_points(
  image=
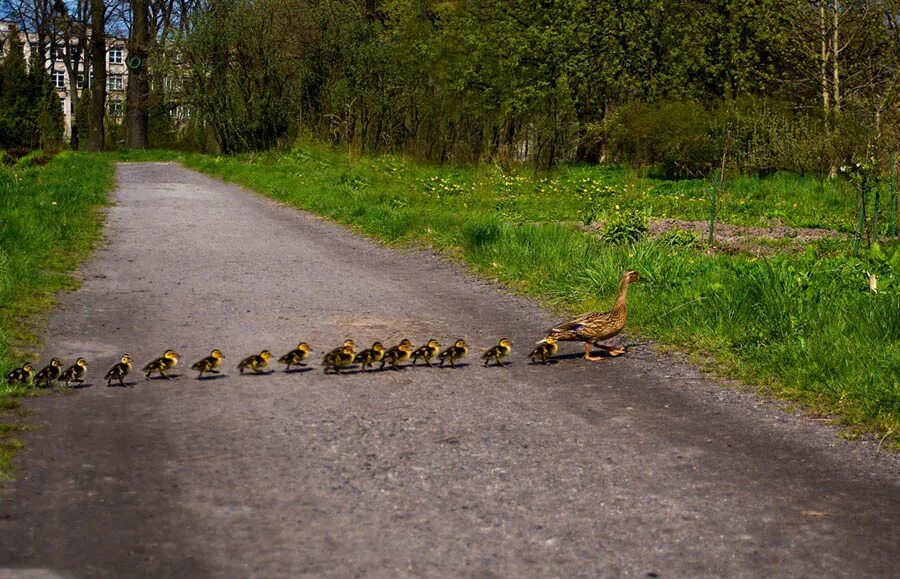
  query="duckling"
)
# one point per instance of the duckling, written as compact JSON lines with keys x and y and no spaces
{"x":398,"y":354}
{"x":454,"y":353}
{"x":166,"y":362}
{"x":348,"y":343}
{"x":209,"y":363}
{"x":370,"y":356}
{"x":119,"y":371}
{"x":75,"y":373}
{"x":256,"y":362}
{"x":498,"y":352}
{"x":427,"y":352}
{"x":296,"y":357}
{"x":21,"y":375}
{"x":545,"y":349}
{"x":337,"y":359}
{"x":49,"y":373}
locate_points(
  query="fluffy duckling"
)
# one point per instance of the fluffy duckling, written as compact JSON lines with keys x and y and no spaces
{"x":165,"y":362}
{"x":255,"y":362}
{"x":427,"y":352}
{"x":296,"y":357}
{"x":337,"y":359}
{"x":74,"y":373}
{"x":458,"y":350}
{"x":119,"y":371}
{"x":370,"y":355}
{"x":209,"y":363}
{"x":498,"y":352}
{"x":21,"y":375}
{"x":49,"y":373}
{"x":545,"y":349}
{"x":398,"y":354}
{"x":348,"y":343}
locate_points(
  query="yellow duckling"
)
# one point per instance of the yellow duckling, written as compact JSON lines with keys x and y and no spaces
{"x":74,"y":373}
{"x":348,"y":343}
{"x":337,"y":359}
{"x":119,"y":371}
{"x":545,"y":349}
{"x":427,"y":352}
{"x":296,"y":357}
{"x":370,"y":356}
{"x":398,"y":354}
{"x":209,"y":363}
{"x":49,"y":373}
{"x":165,"y":362}
{"x":458,"y":350}
{"x":255,"y":362}
{"x":21,"y":375}
{"x":498,"y":352}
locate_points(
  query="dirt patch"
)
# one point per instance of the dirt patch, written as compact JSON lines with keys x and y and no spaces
{"x":737,"y":239}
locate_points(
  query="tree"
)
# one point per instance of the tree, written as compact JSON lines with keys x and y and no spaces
{"x":96,"y":127}
{"x":138,"y":90}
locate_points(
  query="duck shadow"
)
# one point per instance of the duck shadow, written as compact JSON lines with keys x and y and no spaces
{"x":449,"y":367}
{"x":301,"y":370}
{"x":81,"y":386}
{"x":125,"y":385}
{"x":549,"y":362}
{"x":257,"y":374}
{"x":163,"y":378}
{"x":212,"y":377}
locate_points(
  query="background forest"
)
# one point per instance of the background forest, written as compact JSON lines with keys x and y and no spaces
{"x":773,"y":85}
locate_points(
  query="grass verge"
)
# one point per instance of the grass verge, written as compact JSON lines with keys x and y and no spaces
{"x":50,"y":219}
{"x":804,"y":326}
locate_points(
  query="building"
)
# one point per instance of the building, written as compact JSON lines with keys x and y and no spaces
{"x":116,"y":72}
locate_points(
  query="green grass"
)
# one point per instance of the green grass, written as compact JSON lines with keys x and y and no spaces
{"x":803,"y":326}
{"x":49,"y":220}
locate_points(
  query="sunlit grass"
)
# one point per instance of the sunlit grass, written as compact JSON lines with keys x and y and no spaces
{"x":49,"y":220}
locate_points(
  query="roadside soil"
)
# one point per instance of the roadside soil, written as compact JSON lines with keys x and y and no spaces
{"x":635,"y":466}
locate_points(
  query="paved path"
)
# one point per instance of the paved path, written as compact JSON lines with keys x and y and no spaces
{"x":632,"y":467}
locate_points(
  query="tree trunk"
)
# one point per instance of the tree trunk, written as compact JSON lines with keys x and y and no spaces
{"x":98,"y":66}
{"x":835,"y":53}
{"x":138,"y":89}
{"x":823,"y":29}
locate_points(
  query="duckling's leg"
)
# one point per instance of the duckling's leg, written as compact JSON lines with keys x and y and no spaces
{"x":587,"y":353}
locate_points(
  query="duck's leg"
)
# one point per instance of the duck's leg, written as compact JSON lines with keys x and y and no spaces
{"x":587,"y":353}
{"x":610,"y":350}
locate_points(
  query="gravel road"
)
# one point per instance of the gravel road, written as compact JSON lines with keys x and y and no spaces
{"x":630,"y":467}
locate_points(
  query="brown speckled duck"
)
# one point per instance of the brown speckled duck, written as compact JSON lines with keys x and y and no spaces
{"x":594,"y":327}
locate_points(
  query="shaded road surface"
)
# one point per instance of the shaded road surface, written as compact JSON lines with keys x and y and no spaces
{"x":631,"y":467}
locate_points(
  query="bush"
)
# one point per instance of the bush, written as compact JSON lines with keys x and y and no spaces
{"x":678,"y":135}
{"x":624,"y":227}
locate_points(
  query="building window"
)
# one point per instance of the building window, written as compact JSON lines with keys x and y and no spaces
{"x":115,"y":109}
{"x":115,"y":55}
{"x":79,"y":80}
{"x":1,"y":47}
{"x":58,"y":77}
{"x":114,"y":82}
{"x":55,"y":52}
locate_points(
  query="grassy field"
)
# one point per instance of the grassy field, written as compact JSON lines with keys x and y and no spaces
{"x":804,"y":326}
{"x":49,"y":221}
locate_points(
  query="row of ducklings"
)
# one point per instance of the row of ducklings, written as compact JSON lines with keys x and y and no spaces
{"x":334,"y":361}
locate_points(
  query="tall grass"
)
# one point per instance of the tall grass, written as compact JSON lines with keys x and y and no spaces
{"x":805,"y":326}
{"x":49,"y":220}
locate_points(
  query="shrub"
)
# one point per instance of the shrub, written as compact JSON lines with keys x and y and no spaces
{"x":624,"y":227}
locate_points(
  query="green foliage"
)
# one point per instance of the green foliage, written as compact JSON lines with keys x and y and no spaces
{"x":547,"y":82}
{"x":244,"y":71}
{"x":624,"y":227}
{"x":30,"y":111}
